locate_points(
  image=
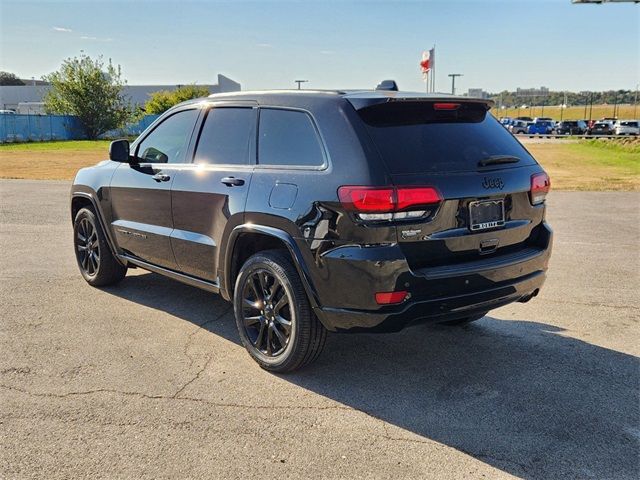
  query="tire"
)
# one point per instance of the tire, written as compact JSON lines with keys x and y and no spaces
{"x":464,"y":321}
{"x":97,"y":264}
{"x":277,"y":326}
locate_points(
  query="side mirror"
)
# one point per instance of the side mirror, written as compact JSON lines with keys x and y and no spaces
{"x":119,"y":151}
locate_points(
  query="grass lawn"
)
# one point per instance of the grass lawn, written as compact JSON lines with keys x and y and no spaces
{"x":590,"y":165}
{"x":584,"y":165}
{"x":50,"y":160}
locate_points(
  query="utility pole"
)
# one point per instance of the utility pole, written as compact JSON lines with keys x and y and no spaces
{"x":635,"y":102}
{"x":586,"y":103}
{"x":453,"y":81}
{"x":299,"y":82}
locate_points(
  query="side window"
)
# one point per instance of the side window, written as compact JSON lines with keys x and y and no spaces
{"x":226,"y":136}
{"x":169,"y":141}
{"x":288,"y":137}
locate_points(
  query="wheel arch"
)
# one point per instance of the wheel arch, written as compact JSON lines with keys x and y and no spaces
{"x":248,"y":239}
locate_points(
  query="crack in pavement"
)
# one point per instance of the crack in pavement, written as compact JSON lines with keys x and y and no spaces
{"x":172,"y":398}
{"x":197,"y":330}
{"x":190,"y":338}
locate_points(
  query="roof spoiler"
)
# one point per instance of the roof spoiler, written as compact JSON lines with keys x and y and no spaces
{"x":364,"y":100}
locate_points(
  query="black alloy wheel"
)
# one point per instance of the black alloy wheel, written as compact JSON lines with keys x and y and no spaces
{"x":266,"y":313}
{"x":87,"y":247}
{"x":275,"y":320}
{"x":97,"y":264}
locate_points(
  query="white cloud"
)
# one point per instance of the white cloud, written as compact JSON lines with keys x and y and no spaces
{"x":327,"y":52}
{"x":62,"y":29}
{"x":264,"y":45}
{"x":95,"y":39}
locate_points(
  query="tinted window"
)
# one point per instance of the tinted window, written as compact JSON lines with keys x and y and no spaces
{"x":169,"y":141}
{"x":413,"y":137}
{"x":226,"y":136}
{"x":288,"y":138}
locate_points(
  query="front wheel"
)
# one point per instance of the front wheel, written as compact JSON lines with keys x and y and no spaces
{"x":276,"y":323}
{"x":97,"y":264}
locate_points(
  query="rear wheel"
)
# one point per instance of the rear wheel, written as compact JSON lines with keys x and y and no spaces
{"x":97,"y":264}
{"x":464,"y":321}
{"x":276,"y":323}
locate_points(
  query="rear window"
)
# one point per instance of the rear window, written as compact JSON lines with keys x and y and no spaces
{"x":413,"y":137}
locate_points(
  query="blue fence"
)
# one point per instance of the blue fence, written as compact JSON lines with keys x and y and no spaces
{"x":39,"y":128}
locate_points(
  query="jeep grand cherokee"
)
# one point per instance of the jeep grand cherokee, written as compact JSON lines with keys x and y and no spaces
{"x":316,"y":211}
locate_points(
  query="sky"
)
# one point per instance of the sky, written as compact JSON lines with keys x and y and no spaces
{"x":496,"y":44}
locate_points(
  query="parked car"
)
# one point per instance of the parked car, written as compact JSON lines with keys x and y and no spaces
{"x":601,"y":128}
{"x":526,"y":119}
{"x":571,"y":127}
{"x":627,"y":127}
{"x":541,"y":127}
{"x":506,"y":121}
{"x":321,"y":211}
{"x":7,"y":112}
{"x":519,"y":126}
{"x":546,"y":119}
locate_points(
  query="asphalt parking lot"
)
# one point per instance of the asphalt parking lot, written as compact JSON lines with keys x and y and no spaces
{"x":148,"y":380}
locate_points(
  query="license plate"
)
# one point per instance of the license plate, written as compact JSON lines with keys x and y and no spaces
{"x":486,"y":214}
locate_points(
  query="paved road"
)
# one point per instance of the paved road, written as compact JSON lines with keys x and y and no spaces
{"x":147,"y":379}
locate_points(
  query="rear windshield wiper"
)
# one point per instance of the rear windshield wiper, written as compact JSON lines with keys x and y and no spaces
{"x":497,"y":160}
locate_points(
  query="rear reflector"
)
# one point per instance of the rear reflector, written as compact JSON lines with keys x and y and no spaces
{"x":446,"y":106}
{"x":388,"y":298}
{"x":540,"y":186}
{"x":386,"y":199}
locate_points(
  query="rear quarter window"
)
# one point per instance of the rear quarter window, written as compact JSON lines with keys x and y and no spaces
{"x":288,"y":138}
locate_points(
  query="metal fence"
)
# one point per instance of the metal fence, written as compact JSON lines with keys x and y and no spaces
{"x":39,"y":128}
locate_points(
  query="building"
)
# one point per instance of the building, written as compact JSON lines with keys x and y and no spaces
{"x":28,"y":98}
{"x":477,"y":93}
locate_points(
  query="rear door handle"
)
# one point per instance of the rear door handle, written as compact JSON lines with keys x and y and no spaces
{"x":232,"y":181}
{"x":161,"y":177}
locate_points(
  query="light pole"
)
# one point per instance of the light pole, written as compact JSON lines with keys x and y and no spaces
{"x":299,"y":82}
{"x":453,"y":81}
{"x":635,"y":102}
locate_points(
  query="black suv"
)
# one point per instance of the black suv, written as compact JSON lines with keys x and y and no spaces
{"x":571,"y":127}
{"x":318,"y":211}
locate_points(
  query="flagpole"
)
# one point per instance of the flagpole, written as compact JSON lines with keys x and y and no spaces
{"x":433,"y":68}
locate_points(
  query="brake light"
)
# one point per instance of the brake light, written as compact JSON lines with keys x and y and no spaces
{"x":540,"y":186}
{"x":366,"y":199}
{"x":446,"y":106}
{"x":389,"y":298}
{"x":388,"y":203}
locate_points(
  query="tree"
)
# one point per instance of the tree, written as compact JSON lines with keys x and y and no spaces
{"x":163,"y":100}
{"x":7,"y":78}
{"x":90,"y":90}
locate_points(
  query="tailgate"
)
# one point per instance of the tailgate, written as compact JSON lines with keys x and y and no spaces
{"x":483,"y":174}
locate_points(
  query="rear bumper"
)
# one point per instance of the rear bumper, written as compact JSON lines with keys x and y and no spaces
{"x":436,"y":310}
{"x":436,"y":294}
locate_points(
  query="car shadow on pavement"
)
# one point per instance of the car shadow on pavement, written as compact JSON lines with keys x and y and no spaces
{"x":520,"y":395}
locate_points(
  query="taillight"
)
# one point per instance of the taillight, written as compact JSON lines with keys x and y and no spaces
{"x":388,"y":203}
{"x":540,"y":186}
